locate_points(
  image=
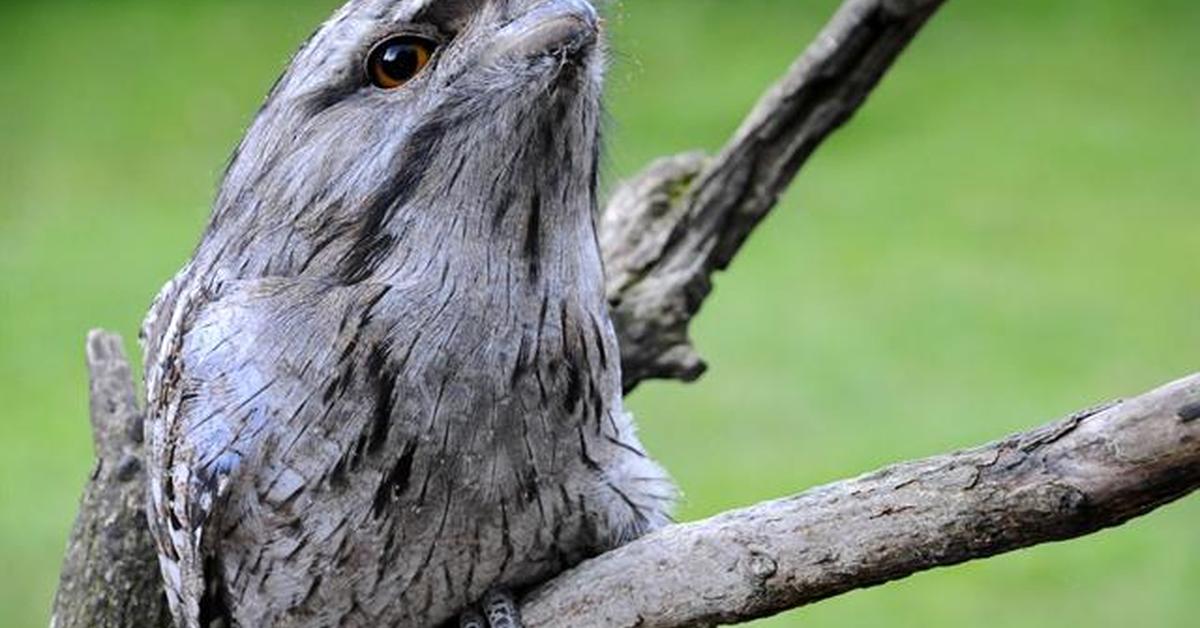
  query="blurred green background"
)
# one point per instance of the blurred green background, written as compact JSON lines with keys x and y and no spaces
{"x":1008,"y":232}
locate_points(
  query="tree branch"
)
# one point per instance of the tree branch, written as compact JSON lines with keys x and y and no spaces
{"x":1091,"y":471}
{"x":668,"y":230}
{"x":110,"y":575}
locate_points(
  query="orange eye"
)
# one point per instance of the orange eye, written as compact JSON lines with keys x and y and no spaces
{"x":394,"y":62}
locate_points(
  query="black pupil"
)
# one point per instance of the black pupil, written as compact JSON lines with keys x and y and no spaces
{"x":400,"y":61}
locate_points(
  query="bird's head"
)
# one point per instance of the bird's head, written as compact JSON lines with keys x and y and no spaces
{"x":407,"y":127}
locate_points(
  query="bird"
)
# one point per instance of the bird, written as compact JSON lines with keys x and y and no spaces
{"x":385,"y":390}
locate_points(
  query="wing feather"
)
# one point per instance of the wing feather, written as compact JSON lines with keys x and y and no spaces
{"x":236,"y":373}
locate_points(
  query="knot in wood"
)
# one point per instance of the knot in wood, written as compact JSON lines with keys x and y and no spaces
{"x":129,"y":468}
{"x":1190,"y":412}
{"x":762,"y":567}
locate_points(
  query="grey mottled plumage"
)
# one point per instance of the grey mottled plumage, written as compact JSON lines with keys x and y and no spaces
{"x":386,"y":382}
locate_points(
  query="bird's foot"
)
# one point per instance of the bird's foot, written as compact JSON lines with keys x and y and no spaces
{"x":497,"y":610}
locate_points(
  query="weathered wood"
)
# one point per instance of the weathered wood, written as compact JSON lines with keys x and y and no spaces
{"x":671,"y":228}
{"x":110,"y":574}
{"x":1094,"y":470}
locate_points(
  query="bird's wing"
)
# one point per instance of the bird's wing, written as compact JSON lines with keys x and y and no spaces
{"x":245,"y":362}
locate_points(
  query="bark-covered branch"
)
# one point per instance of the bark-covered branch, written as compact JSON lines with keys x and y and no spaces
{"x":110,"y":576}
{"x":668,"y":230}
{"x":1091,"y":471}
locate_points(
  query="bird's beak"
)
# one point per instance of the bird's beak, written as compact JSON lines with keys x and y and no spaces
{"x":551,"y":27}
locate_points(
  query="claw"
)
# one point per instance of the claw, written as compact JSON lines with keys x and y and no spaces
{"x":471,"y":619}
{"x":501,"y":610}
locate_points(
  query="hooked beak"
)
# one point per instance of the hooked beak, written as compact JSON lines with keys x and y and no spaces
{"x":552,"y":28}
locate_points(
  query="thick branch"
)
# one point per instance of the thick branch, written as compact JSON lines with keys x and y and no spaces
{"x":667,"y":231}
{"x":1094,"y":470}
{"x":110,"y":574}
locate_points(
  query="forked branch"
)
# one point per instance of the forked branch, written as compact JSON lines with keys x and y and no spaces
{"x":1096,"y":469}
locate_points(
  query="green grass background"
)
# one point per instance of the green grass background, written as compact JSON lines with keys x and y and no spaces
{"x":1007,"y":232}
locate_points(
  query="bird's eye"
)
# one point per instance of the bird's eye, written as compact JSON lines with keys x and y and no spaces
{"x":395,"y":61}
